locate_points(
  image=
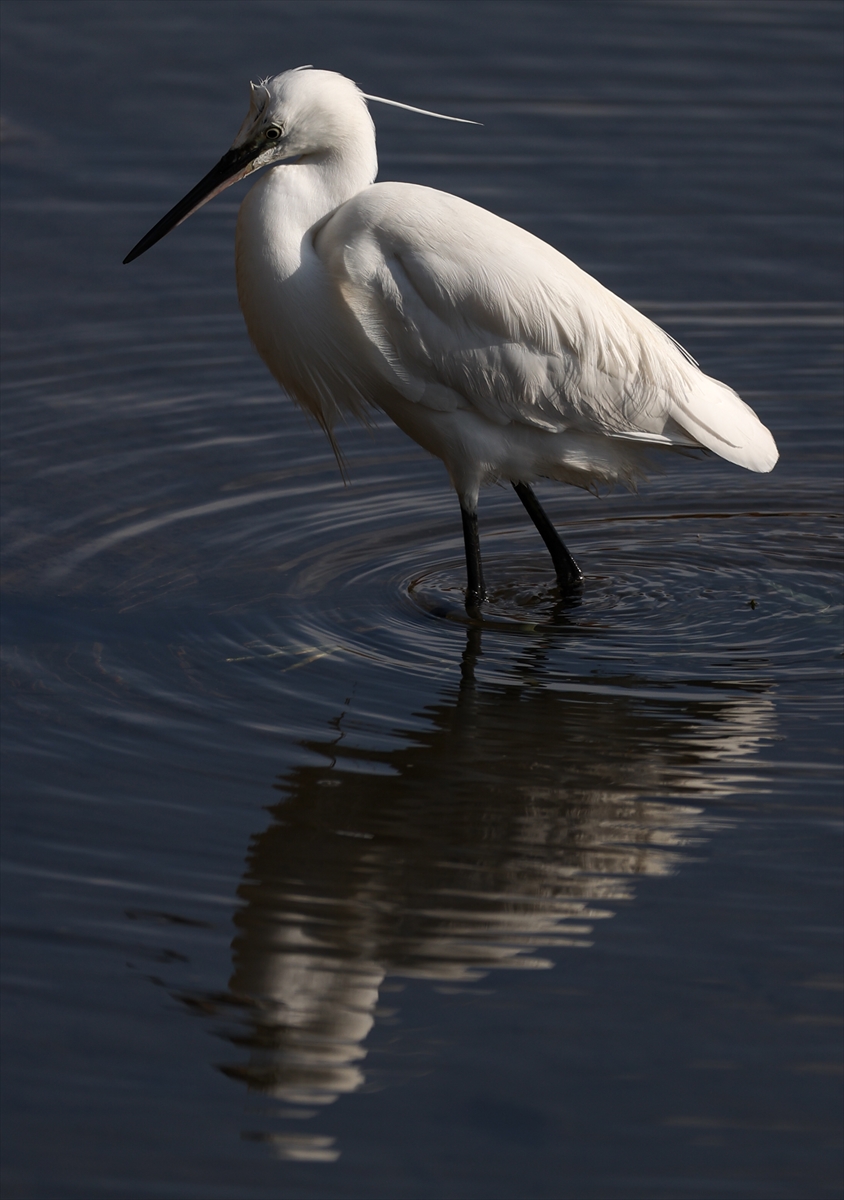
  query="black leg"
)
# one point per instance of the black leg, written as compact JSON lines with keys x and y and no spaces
{"x":475,"y":591}
{"x":568,"y":572}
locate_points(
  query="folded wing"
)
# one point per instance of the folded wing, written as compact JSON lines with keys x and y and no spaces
{"x":459,"y":308}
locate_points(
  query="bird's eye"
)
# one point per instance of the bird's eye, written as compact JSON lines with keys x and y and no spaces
{"x":272,"y":133}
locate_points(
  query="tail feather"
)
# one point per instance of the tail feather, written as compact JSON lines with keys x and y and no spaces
{"x":713,"y":415}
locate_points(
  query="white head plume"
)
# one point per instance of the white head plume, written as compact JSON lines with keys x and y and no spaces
{"x":424,"y":111}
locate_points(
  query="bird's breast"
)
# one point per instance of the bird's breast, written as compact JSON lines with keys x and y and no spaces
{"x":293,"y":310}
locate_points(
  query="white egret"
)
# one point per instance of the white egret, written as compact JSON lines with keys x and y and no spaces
{"x":485,"y":345}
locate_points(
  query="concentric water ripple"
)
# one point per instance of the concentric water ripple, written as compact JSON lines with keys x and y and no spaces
{"x":315,"y":885}
{"x":191,"y":590}
{"x":225,"y":493}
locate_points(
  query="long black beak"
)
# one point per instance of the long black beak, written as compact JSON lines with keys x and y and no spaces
{"x":232,"y":166}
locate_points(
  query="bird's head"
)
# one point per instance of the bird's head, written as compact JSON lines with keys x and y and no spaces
{"x":301,"y":114}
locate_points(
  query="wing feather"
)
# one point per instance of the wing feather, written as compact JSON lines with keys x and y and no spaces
{"x":463,"y":309}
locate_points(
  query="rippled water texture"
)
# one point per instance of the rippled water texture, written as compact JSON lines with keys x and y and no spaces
{"x":313,"y":886}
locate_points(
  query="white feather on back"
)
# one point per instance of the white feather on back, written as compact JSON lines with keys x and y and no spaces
{"x":462,"y":309}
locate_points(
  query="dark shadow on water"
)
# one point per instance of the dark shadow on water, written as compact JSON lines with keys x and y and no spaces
{"x":498,"y":837}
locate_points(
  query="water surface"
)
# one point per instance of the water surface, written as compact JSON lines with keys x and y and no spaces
{"x":313,"y":887}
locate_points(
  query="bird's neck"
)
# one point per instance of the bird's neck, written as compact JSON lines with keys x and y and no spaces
{"x":277,"y":224}
{"x":294,"y":197}
{"x":287,"y":298}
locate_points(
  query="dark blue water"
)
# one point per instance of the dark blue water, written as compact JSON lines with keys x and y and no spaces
{"x":312,"y":888}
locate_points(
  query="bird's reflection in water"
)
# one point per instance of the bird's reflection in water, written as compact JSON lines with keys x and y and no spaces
{"x":510,"y":825}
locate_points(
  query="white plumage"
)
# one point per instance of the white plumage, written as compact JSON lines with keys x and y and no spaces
{"x":487,"y":346}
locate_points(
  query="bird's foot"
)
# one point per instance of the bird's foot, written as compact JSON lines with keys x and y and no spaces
{"x":474,"y":599}
{"x":569,"y":577}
